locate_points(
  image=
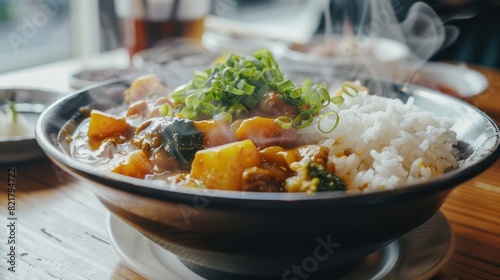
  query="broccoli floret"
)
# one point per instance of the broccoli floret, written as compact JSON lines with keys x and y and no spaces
{"x":327,"y":180}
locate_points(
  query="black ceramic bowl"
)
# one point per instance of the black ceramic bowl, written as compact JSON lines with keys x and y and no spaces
{"x":227,"y":234}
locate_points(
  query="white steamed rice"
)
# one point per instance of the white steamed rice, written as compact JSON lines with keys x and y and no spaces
{"x":383,"y":143}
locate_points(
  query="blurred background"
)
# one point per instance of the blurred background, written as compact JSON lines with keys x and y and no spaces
{"x":35,"y":32}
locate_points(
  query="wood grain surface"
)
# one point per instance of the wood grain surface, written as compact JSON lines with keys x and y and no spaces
{"x":61,"y":227}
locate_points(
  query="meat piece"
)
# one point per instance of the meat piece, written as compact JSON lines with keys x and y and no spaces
{"x":143,"y":87}
{"x":155,"y":108}
{"x":139,"y":107}
{"x":257,"y":179}
{"x":273,"y":105}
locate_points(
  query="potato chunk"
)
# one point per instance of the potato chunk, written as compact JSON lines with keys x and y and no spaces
{"x":136,"y":164}
{"x":222,"y":167}
{"x":216,"y":132}
{"x":103,"y":125}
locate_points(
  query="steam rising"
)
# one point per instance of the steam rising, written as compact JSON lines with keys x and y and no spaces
{"x":422,"y":32}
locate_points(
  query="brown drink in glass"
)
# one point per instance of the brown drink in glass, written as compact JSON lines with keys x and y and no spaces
{"x":149,"y":23}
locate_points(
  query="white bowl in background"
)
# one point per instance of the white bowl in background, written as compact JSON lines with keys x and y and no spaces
{"x":349,"y":52}
{"x":453,"y":79}
{"x":386,"y":59}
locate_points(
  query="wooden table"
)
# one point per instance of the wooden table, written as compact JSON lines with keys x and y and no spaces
{"x":61,"y":227}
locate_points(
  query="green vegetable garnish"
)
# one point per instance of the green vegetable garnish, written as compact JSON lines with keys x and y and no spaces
{"x":345,"y":88}
{"x":321,"y":120}
{"x":327,"y":181}
{"x":223,"y":116}
{"x":165,"y":110}
{"x":349,"y":90}
{"x":337,"y":100}
{"x":237,"y":85}
{"x":284,"y":122}
{"x":12,"y":108}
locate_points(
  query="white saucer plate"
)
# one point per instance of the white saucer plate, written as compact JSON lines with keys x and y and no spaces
{"x":419,"y":254}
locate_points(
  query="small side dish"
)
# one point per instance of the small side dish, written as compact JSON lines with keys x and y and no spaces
{"x":243,"y":125}
{"x":19,"y":112}
{"x":14,"y":124}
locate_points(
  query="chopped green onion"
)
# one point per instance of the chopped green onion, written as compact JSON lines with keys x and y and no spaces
{"x":231,"y":98}
{"x":296,"y":93}
{"x":285,"y":85}
{"x":188,"y":113}
{"x":245,"y":72}
{"x":268,"y":75}
{"x":246,"y":64}
{"x":306,"y":86}
{"x":248,"y":72}
{"x":257,"y":76}
{"x":284,"y":122}
{"x":222,"y":107}
{"x":199,"y":79}
{"x":232,"y":60}
{"x":263,"y":90}
{"x":234,"y":57}
{"x":323,"y":96}
{"x":249,"y":101}
{"x":223,"y":116}
{"x":304,"y":119}
{"x":217,"y":84}
{"x":349,"y":90}
{"x":262,"y":53}
{"x":230,"y":76}
{"x":198,"y":82}
{"x":233,"y":90}
{"x":192,"y":101}
{"x":294,"y":97}
{"x":315,"y":108}
{"x":239,"y":83}
{"x":322,"y":120}
{"x":338,"y":100}
{"x":237,"y":109}
{"x":12,"y":108}
{"x":218,"y":94}
{"x":179,"y":96}
{"x":246,"y":88}
{"x":201,"y":74}
{"x":207,"y":109}
{"x":166,"y":110}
